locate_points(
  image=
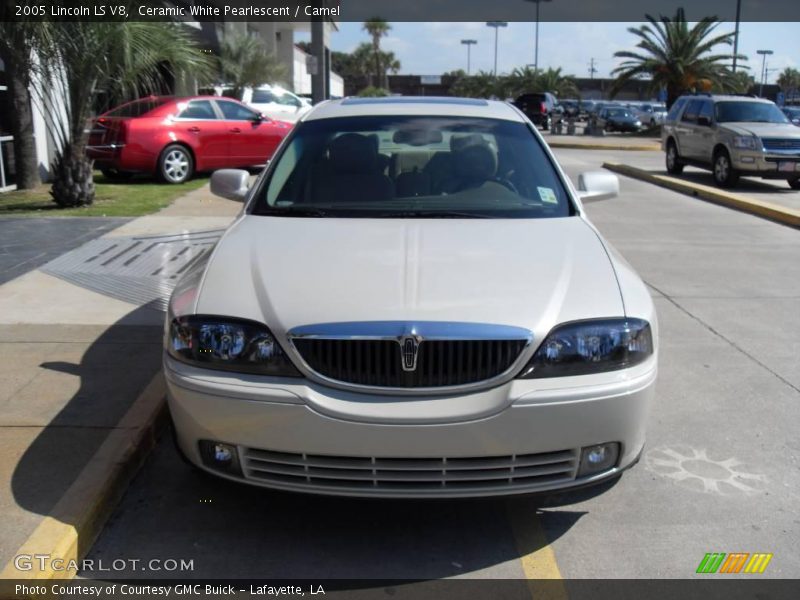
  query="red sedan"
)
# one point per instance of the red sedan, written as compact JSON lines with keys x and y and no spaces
{"x":175,"y":137}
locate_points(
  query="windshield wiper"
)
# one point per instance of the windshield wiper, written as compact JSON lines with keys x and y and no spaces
{"x":295,"y":211}
{"x":427,"y":214}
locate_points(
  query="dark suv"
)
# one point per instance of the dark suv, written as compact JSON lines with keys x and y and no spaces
{"x":538,"y":107}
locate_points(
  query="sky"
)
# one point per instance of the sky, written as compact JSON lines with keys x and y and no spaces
{"x":434,"y":48}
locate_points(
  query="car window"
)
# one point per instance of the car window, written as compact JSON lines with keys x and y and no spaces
{"x":287,"y":99}
{"x":198,"y":109}
{"x":676,"y":109}
{"x":137,"y":108}
{"x":233,"y":111}
{"x":691,"y":112}
{"x":413,"y":167}
{"x":707,"y":110}
{"x":262,"y":97}
{"x":752,"y":112}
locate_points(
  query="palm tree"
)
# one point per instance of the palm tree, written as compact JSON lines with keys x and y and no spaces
{"x":245,"y":62}
{"x":378,"y":28}
{"x":121,"y":59}
{"x":789,"y":80}
{"x":675,"y":56}
{"x":17,"y":43}
{"x":740,"y":82}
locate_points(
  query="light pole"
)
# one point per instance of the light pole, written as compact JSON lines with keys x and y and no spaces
{"x":497,"y":25}
{"x":468,"y":44}
{"x":736,"y":33}
{"x":764,"y":54}
{"x":536,"y":39}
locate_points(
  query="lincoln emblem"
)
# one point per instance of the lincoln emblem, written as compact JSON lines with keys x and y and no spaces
{"x":409,"y":347}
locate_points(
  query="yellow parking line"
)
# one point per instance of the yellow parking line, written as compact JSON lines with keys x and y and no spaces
{"x":537,"y":558}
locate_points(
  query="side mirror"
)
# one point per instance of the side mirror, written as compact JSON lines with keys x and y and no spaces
{"x":704,"y":121}
{"x":597,"y":185}
{"x":230,"y":183}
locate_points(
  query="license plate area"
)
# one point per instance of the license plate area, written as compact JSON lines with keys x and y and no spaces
{"x":785,"y":166}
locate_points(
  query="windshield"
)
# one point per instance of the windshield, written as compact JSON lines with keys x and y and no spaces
{"x":749,"y":112}
{"x":413,"y":167}
{"x":619,"y":112}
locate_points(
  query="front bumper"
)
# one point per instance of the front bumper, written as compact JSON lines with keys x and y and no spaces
{"x":766,"y":165}
{"x":294,"y":435}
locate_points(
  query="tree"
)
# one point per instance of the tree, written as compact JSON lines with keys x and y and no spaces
{"x":675,"y":56}
{"x":122,"y":59}
{"x":378,"y":28}
{"x":527,"y":80}
{"x":17,"y":43}
{"x":740,"y":82}
{"x":245,"y":62}
{"x":789,"y":80}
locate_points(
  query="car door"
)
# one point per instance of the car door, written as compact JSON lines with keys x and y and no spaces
{"x":252,"y":139}
{"x":686,"y":130}
{"x":198,"y":124}
{"x":705,"y":132}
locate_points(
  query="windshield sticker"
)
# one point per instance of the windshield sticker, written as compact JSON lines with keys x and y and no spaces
{"x":547,"y":195}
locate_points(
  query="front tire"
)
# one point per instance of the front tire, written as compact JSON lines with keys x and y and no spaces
{"x":724,"y":173}
{"x":175,"y":165}
{"x":674,"y":164}
{"x":794,"y":183}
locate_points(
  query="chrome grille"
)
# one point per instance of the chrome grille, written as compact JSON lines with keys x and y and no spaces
{"x":773,"y":144}
{"x":421,"y":476}
{"x":379,"y":363}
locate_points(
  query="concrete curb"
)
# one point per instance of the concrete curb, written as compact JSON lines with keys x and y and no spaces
{"x":69,"y":531}
{"x":759,"y":208}
{"x":577,"y":146}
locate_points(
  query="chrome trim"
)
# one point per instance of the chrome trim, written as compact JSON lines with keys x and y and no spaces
{"x":105,"y":147}
{"x":419,"y":330}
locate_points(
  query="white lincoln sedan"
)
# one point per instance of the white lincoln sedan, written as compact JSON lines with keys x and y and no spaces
{"x":412,"y":303}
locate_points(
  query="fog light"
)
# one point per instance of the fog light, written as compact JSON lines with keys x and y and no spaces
{"x":220,"y":456}
{"x":598,"y":458}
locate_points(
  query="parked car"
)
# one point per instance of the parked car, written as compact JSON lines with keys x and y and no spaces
{"x":571,"y":108}
{"x":792,"y":113}
{"x":276,"y":102}
{"x":732,"y":136}
{"x":618,"y":118}
{"x":348,"y":336}
{"x":649,"y":114}
{"x":538,"y":107}
{"x":175,"y":137}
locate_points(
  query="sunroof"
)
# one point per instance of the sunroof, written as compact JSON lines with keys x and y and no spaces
{"x":416,"y":100}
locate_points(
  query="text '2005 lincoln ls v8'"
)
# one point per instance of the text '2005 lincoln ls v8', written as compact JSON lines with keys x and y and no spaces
{"x":412,"y":303}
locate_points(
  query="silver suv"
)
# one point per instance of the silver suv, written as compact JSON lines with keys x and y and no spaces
{"x":732,"y":136}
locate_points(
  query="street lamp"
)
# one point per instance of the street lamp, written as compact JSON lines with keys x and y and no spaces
{"x":468,"y":44}
{"x":497,"y":25}
{"x":764,"y":54}
{"x":536,"y":42}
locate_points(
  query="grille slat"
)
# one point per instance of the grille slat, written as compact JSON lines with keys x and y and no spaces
{"x":439,"y":362}
{"x":781,"y":143}
{"x":410,"y":475}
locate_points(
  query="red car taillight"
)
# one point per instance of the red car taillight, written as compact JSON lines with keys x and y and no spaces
{"x":543,"y":108}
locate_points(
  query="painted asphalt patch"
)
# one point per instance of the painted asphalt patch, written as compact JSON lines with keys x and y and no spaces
{"x":140,"y":270}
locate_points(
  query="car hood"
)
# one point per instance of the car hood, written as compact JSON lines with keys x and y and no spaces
{"x":531,"y":273}
{"x":761,"y":130}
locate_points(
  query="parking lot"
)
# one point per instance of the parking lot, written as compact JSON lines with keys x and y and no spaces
{"x":721,"y":471}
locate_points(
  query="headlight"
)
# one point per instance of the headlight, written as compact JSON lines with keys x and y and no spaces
{"x":228,"y":344}
{"x":746,"y":142}
{"x":594,"y":346}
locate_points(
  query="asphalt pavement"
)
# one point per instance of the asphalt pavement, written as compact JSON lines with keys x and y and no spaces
{"x":720,"y":472}
{"x":28,"y":243}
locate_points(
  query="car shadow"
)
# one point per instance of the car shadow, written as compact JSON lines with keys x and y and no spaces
{"x":744,"y":185}
{"x":113,"y":370}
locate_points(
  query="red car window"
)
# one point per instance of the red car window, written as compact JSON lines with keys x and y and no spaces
{"x":234,"y":111}
{"x":198,"y":109}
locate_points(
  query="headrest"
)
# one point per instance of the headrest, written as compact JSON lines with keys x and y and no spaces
{"x":474,"y":159}
{"x":460,"y":141}
{"x":353,"y":153}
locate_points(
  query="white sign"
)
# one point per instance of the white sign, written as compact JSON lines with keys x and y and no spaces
{"x":311,"y":64}
{"x":430,"y":79}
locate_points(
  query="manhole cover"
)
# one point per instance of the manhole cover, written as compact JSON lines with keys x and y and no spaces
{"x":140,"y":270}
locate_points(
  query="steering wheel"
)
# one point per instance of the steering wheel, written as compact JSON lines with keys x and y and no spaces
{"x":505,"y":183}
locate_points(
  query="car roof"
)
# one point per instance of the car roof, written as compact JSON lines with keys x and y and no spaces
{"x":414,"y":106}
{"x":727,"y":98}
